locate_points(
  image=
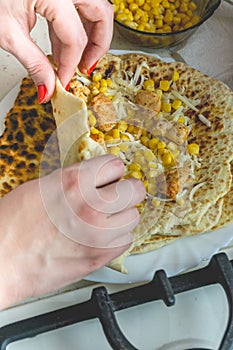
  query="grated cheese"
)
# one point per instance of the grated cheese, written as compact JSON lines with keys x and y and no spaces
{"x":204,"y":120}
{"x":195,"y":189}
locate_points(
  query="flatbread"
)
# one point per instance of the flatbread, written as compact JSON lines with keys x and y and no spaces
{"x":227,"y":209}
{"x":28,"y":126}
{"x":72,"y":127}
{"x":211,"y":124}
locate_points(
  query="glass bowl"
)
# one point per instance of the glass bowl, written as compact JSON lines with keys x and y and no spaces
{"x":205,"y":9}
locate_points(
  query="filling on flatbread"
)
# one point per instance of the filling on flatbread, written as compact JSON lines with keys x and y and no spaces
{"x":171,"y":126}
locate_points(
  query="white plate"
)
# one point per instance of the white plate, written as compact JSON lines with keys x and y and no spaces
{"x":182,"y":254}
{"x":178,"y":256}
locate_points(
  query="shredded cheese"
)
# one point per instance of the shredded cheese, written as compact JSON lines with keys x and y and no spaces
{"x":195,"y":189}
{"x":204,"y":120}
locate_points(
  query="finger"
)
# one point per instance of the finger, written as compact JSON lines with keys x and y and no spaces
{"x":120,"y":196}
{"x":100,"y":171}
{"x":99,"y":27}
{"x":36,"y":63}
{"x":68,"y":38}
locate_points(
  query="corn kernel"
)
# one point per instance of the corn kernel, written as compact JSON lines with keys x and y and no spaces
{"x":114,"y":150}
{"x":122,"y":126}
{"x":134,"y":167}
{"x":136,"y":174}
{"x":193,"y":148}
{"x":109,"y":83}
{"x":181,"y":120}
{"x":176,"y":104}
{"x":175,"y":75}
{"x":133,"y":7}
{"x":125,"y":137}
{"x":145,"y":183}
{"x":149,"y":156}
{"x":176,"y":20}
{"x":94,"y":131}
{"x":168,"y":17}
{"x":91,"y":119}
{"x":115,"y":133}
{"x":130,"y":128}
{"x":109,"y":139}
{"x":159,"y":23}
{"x":121,"y":6}
{"x":103,"y":89}
{"x":153,"y":143}
{"x":97,"y":76}
{"x":166,"y":107}
{"x":165,"y":4}
{"x":167,"y":158}
{"x":183,"y":7}
{"x":149,"y":85}
{"x":164,"y":85}
{"x":192,"y":6}
{"x":145,"y":140}
{"x":161,"y":145}
{"x":140,"y":2}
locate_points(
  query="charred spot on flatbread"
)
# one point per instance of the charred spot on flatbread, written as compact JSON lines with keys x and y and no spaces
{"x":28,"y":126}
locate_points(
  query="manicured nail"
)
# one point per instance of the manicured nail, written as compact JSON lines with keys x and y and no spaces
{"x":92,"y":68}
{"x":42,"y":92}
{"x":67,"y":87}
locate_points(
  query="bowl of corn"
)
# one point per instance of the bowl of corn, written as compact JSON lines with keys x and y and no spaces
{"x":161,"y":23}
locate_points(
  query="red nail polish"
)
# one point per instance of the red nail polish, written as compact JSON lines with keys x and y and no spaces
{"x":42,"y":92}
{"x":92,"y":68}
{"x":67,"y":87}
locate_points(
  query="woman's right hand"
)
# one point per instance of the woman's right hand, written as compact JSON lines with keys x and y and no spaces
{"x":80,"y":32}
{"x":57,"y":229}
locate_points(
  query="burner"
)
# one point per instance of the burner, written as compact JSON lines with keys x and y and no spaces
{"x":103,"y":305}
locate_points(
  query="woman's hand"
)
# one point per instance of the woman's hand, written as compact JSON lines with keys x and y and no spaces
{"x":79,"y":36}
{"x":58,"y":229}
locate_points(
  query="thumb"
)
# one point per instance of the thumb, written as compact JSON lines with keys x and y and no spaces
{"x":36,"y":63}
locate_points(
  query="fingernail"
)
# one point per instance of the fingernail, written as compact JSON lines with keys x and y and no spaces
{"x":92,"y":68}
{"x":42,"y":92}
{"x":67,"y":87}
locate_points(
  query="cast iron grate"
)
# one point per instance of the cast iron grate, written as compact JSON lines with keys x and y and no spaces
{"x":103,"y":305}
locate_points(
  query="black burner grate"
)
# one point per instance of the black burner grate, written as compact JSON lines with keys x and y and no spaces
{"x":103,"y":305}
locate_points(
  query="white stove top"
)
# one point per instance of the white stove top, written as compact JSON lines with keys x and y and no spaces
{"x":198,"y":319}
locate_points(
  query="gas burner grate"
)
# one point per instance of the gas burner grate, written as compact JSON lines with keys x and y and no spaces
{"x":102,"y":305}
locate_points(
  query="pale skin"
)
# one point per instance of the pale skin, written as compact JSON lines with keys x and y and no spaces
{"x":38,"y":255}
{"x":77,"y":37}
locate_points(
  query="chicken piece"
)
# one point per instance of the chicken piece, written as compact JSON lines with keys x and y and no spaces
{"x":79,"y":90}
{"x":149,"y":99}
{"x":172,"y":131}
{"x":104,"y":111}
{"x":178,"y":133}
{"x":99,"y":138}
{"x":171,"y":182}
